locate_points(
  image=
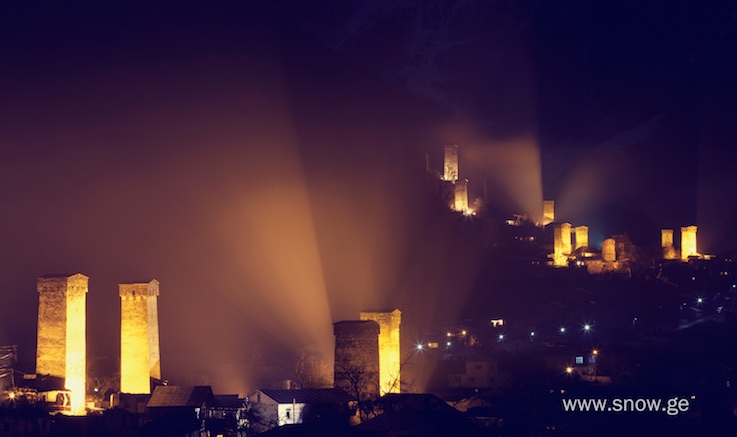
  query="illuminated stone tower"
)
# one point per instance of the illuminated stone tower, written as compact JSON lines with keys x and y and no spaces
{"x":389,"y":350}
{"x":461,"y":195}
{"x":561,"y":243}
{"x":356,"y":367}
{"x":609,"y":250}
{"x":582,"y":236}
{"x":61,"y":348}
{"x":688,"y":242}
{"x":139,"y":336}
{"x":666,"y":242}
{"x":548,"y":212}
{"x":450,"y":163}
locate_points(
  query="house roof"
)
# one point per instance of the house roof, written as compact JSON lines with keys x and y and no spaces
{"x":181,"y":396}
{"x":309,"y":396}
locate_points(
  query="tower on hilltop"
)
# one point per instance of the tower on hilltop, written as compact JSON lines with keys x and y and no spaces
{"x":450,"y":163}
{"x":139,"y":336}
{"x":666,"y":242}
{"x":61,"y":349}
{"x":548,"y":212}
{"x":688,"y":242}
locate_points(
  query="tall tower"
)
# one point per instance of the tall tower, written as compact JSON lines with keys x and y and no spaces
{"x":688,"y":242}
{"x":666,"y":242}
{"x":61,"y":349}
{"x":389,"y":349}
{"x":450,"y":163}
{"x":548,"y":212}
{"x":357,"y":357}
{"x":139,"y":336}
{"x":582,"y":236}
{"x":461,"y":195}
{"x":609,"y":250}
{"x":561,"y":243}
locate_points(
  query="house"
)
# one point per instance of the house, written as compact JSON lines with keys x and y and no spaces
{"x":282,"y":407}
{"x":180,"y":401}
{"x":423,"y":415}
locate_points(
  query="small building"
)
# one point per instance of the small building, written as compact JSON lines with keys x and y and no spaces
{"x":180,"y":400}
{"x":286,"y":407}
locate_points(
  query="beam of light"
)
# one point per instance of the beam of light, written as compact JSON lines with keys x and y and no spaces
{"x":513,"y":166}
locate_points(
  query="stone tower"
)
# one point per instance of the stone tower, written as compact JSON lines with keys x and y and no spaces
{"x":460,"y":195}
{"x":582,"y":236}
{"x":450,"y":163}
{"x":609,"y":250}
{"x":357,"y":357}
{"x":139,"y":336}
{"x":666,"y":242}
{"x":548,"y":212}
{"x":61,"y":349}
{"x":561,"y":243}
{"x":688,"y":242}
{"x":389,"y":348}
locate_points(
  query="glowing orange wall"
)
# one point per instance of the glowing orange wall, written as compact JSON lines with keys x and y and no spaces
{"x":609,"y":250}
{"x":139,"y":336}
{"x":61,"y":349}
{"x":666,"y":242}
{"x":461,"y":195}
{"x":450,"y":163}
{"x":582,"y":236}
{"x":688,"y":242}
{"x":389,"y":348}
{"x":548,"y":212}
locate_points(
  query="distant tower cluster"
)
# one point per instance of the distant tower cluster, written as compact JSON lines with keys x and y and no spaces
{"x":61,"y":349}
{"x":688,"y":242}
{"x":456,"y":189}
{"x":139,"y":336}
{"x":666,"y":242}
{"x":356,"y":367}
{"x":389,"y":348}
{"x":548,"y":212}
{"x":450,"y":163}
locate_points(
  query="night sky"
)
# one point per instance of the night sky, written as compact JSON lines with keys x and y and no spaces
{"x":265,"y":160}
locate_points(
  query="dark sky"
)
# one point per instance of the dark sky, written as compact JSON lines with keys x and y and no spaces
{"x":264,"y":160}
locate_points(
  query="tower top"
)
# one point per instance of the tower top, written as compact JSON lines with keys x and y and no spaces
{"x":56,"y":282}
{"x":133,"y":289}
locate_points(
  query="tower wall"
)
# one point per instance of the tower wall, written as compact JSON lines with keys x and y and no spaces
{"x":688,"y":242}
{"x":139,"y":336}
{"x":461,"y":195}
{"x":450,"y":163}
{"x":609,"y":250}
{"x":582,"y":236}
{"x":548,"y":212}
{"x":356,"y":368}
{"x":61,"y":348}
{"x":666,"y":242}
{"x":561,"y":234}
{"x":389,"y":348}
